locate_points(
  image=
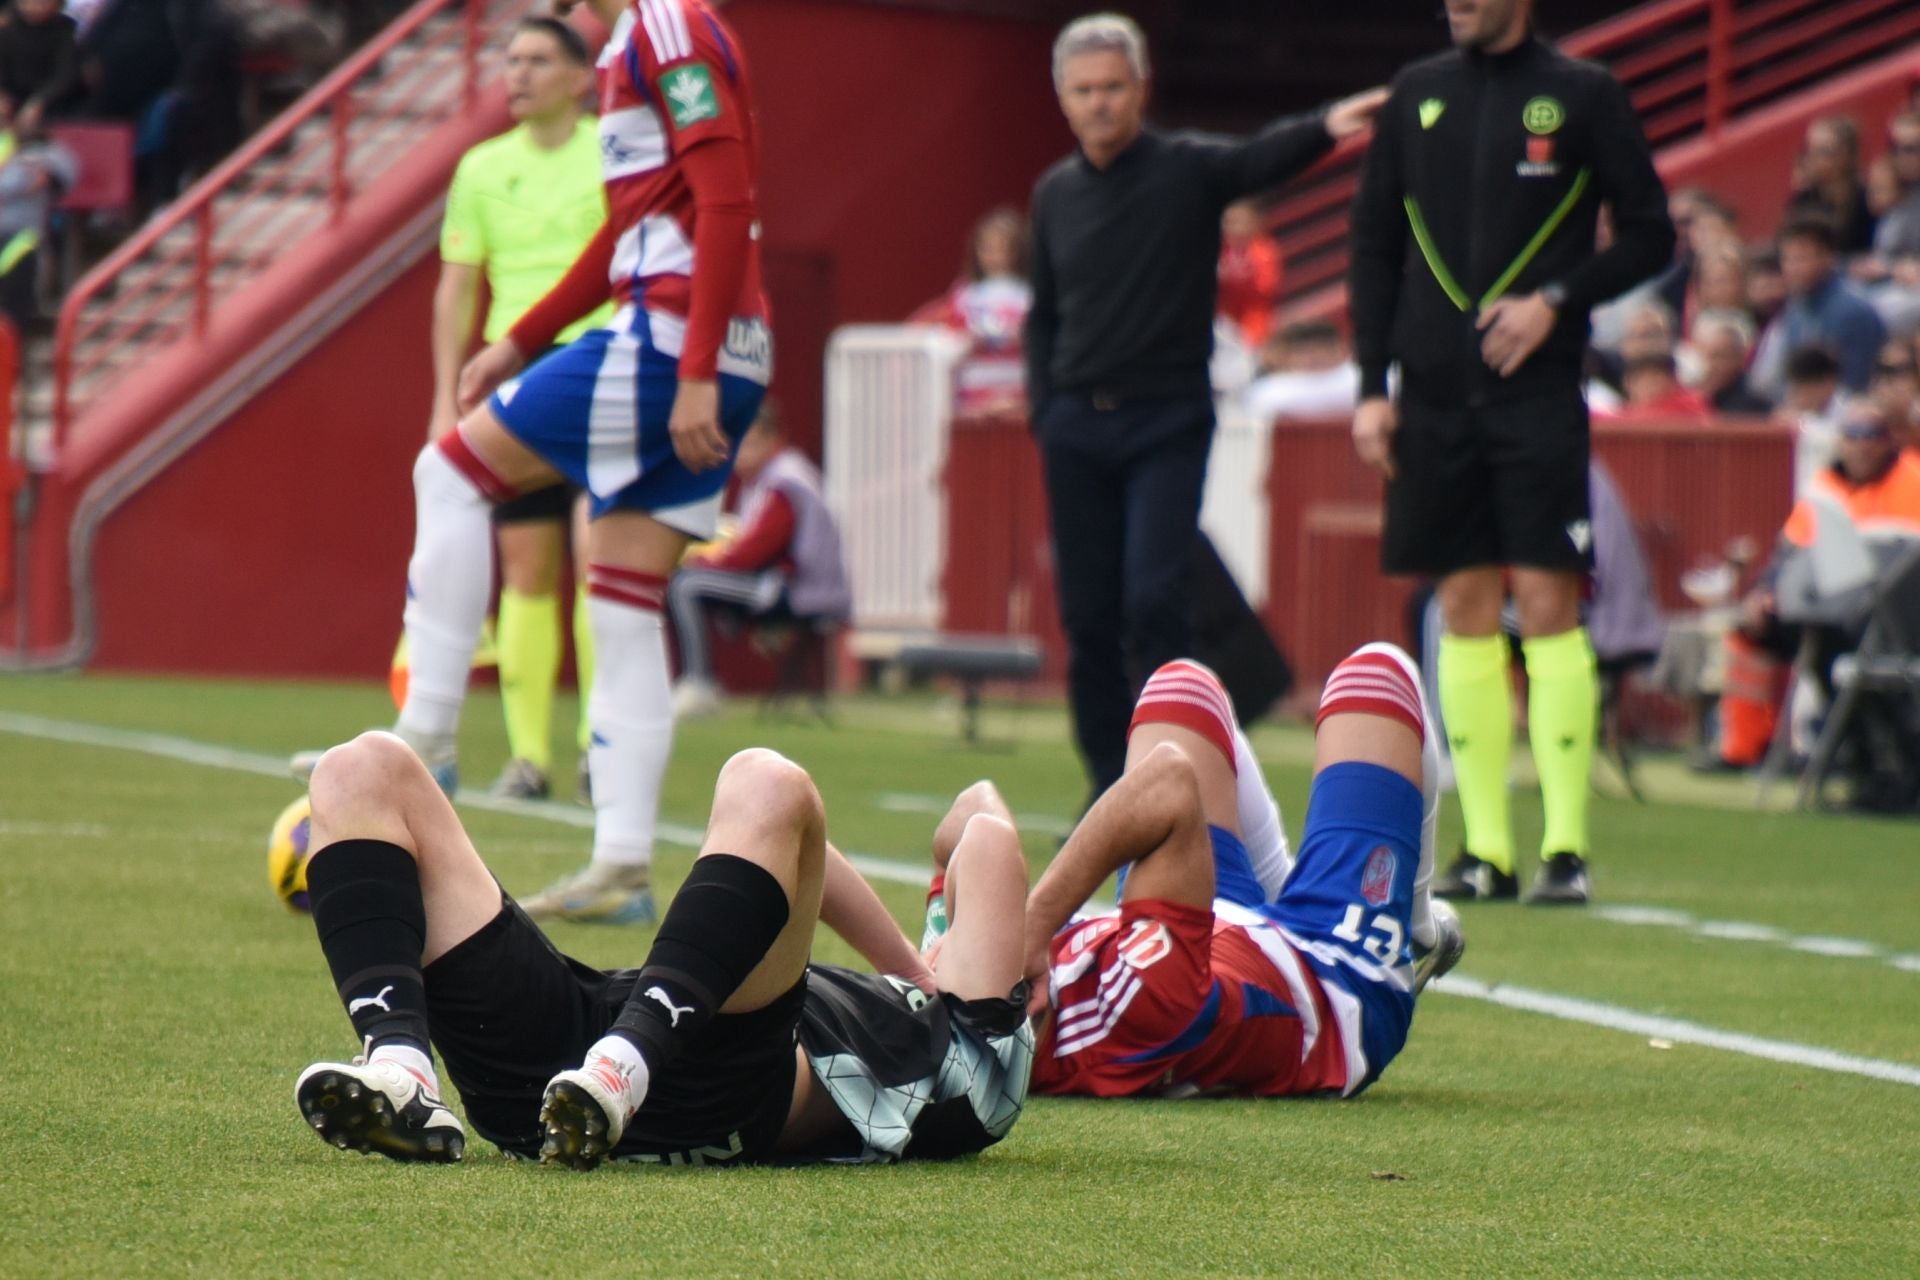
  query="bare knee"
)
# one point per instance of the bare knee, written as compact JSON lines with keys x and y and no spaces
{"x":363,"y":787}
{"x":1471,"y":600}
{"x":1548,"y":602}
{"x":982,"y":799}
{"x":765,"y":783}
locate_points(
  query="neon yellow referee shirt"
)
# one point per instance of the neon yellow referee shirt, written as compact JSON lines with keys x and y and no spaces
{"x":523,"y":215}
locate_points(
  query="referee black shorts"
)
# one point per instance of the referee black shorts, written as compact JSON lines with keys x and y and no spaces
{"x":509,"y":1011}
{"x":1500,"y":484}
{"x":553,"y":504}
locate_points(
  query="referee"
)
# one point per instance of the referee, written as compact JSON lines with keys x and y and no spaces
{"x":1126,"y":238}
{"x":1474,"y":268}
{"x":522,"y":207}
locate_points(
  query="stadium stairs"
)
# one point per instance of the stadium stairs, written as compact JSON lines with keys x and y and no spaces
{"x":219,"y":479}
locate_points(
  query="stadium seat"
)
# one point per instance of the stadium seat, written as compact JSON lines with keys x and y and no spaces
{"x":103,"y":155}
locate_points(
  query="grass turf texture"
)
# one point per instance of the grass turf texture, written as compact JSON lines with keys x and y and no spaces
{"x":156,"y":1005}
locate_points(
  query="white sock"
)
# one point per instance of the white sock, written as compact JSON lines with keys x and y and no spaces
{"x":448,"y":581}
{"x":630,"y":712}
{"x":411,"y":1059}
{"x":622,"y":1053}
{"x":1261,"y":830}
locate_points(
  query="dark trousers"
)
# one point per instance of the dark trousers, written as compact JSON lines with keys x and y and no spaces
{"x":1123,"y":486}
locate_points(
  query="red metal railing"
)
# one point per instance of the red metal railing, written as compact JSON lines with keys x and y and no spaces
{"x":289,"y":180}
{"x":12,"y":472}
{"x":1689,"y":66}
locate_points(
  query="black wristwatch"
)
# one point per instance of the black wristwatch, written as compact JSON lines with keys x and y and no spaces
{"x":1554,"y":295}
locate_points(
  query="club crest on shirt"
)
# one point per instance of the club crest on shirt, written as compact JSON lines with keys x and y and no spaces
{"x":1539,"y":162}
{"x":1376,"y":885}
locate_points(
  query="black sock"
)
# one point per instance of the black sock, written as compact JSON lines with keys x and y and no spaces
{"x":719,"y":926}
{"x":372,"y":924}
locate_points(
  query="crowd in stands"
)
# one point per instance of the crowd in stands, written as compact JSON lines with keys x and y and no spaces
{"x":187,"y":80}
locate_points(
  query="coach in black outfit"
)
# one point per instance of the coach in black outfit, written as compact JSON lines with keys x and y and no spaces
{"x":1126,"y":237}
{"x":1474,"y":267}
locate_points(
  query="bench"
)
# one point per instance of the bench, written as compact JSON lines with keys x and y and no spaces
{"x":972,"y":660}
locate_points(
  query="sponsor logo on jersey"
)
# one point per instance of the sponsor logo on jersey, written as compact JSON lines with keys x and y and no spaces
{"x":1539,"y":162}
{"x":631,"y":141}
{"x":1376,"y":883}
{"x":1543,"y":115}
{"x":690,"y":96}
{"x":1430,"y":112}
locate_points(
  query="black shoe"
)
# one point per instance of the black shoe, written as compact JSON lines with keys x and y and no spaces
{"x":1474,"y":879}
{"x":1562,"y":882}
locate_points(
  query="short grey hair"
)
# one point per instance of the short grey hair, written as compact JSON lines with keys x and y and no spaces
{"x":1724,"y":320}
{"x":1100,"y":33}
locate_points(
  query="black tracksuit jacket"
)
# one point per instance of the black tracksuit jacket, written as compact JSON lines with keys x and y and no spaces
{"x":1485,"y":179}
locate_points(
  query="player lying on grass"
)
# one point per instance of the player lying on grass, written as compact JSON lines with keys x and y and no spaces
{"x":1225,"y":971}
{"x":726,"y":1045}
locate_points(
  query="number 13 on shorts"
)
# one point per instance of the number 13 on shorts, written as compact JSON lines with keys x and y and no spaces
{"x":1381,"y":938}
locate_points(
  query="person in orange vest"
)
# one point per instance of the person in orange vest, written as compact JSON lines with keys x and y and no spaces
{"x":1878,"y":484}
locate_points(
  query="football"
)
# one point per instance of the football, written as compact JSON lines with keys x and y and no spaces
{"x":287,"y":854}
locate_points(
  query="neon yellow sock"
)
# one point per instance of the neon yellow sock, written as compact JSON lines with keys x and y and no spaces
{"x":583,"y":660}
{"x":1476,"y":699}
{"x":1563,"y":714}
{"x":529,"y":632}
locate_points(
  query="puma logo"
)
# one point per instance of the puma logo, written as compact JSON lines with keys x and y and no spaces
{"x":356,"y":1006}
{"x":673,"y":1010}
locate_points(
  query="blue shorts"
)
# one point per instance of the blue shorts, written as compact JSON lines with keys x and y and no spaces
{"x":1348,"y":905}
{"x":596,"y":411}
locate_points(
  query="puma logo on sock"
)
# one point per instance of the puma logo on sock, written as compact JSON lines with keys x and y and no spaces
{"x":356,"y":1006}
{"x":673,"y":1010}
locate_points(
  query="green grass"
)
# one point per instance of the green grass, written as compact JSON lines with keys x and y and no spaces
{"x":155,"y":1006}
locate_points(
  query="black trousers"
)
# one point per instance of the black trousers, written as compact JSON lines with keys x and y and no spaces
{"x":1123,"y":485}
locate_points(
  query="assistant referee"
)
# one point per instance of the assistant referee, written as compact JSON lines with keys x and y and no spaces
{"x":1126,"y":238}
{"x":522,"y":207}
{"x":1474,"y":268}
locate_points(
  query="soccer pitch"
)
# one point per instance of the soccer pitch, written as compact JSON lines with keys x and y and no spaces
{"x":1714,"y":1072}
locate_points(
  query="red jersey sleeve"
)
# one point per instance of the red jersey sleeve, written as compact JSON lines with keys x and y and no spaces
{"x":763,"y":542}
{"x":690,"y":70}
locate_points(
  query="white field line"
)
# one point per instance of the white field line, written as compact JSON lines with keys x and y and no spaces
{"x":1743,"y":931}
{"x":1568,"y":1008}
{"x":1674,"y":1030}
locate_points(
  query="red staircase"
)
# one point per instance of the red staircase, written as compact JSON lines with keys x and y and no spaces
{"x":1702,"y":74}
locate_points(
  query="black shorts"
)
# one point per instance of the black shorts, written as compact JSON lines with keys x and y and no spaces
{"x":509,"y":1012}
{"x":916,"y":1076}
{"x":1500,"y":484}
{"x":553,"y":503}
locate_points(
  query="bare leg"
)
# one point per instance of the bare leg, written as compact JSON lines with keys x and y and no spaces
{"x":986,"y":906}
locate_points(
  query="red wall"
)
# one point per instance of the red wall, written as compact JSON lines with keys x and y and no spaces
{"x":887,"y":133}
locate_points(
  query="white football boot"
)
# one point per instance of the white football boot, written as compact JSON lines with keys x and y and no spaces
{"x":585,"y":1112}
{"x":379,"y":1106}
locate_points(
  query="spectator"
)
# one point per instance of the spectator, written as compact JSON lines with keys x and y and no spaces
{"x":32,"y":179}
{"x":1821,"y":308}
{"x":1898,"y":234}
{"x":1250,"y":269}
{"x":1766,"y":287}
{"x":988,"y":304}
{"x":1879,"y":487}
{"x":1722,"y":340}
{"x":785,"y":562}
{"x":1720,"y":281}
{"x":39,"y":63}
{"x":1811,"y":402}
{"x":1654,"y":393}
{"x":1827,"y":184}
{"x":1313,"y":375}
{"x":1896,"y":392}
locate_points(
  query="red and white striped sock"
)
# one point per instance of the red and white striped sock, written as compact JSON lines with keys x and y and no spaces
{"x":629,"y":712}
{"x":1370,"y":682}
{"x":448,"y":581}
{"x":1187,"y":694}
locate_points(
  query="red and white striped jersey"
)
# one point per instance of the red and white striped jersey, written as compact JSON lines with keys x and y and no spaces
{"x":1166,"y":998}
{"x":670,"y":77}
